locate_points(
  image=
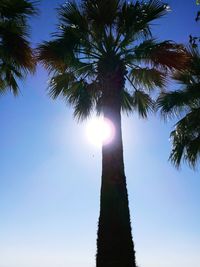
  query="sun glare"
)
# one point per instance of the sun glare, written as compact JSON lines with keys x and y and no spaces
{"x":100,"y":131}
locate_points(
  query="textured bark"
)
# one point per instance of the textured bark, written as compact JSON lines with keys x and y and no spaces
{"x":114,"y":242}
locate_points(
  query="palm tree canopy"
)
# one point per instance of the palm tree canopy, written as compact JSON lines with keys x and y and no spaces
{"x":16,"y":56}
{"x":185,"y":103}
{"x":97,"y":38}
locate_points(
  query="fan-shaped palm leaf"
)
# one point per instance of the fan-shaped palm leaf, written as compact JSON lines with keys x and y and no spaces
{"x":16,"y":55}
{"x":81,"y":45}
{"x":186,"y":139}
{"x":165,"y":54}
{"x":185,"y":103}
{"x":142,"y":102}
{"x":149,"y":78}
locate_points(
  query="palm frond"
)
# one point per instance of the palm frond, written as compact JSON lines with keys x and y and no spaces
{"x":186,"y":139}
{"x":178,"y":147}
{"x":71,"y":16}
{"x":84,"y":104}
{"x":189,"y":95}
{"x":135,"y":19}
{"x":154,"y":9}
{"x":107,"y":47}
{"x":51,"y":55}
{"x":56,"y":54}
{"x":9,"y":76}
{"x":177,"y":101}
{"x":59,"y":85}
{"x":16,"y":55}
{"x":16,"y":48}
{"x":142,"y":102}
{"x":172,"y":103}
{"x":95,"y":8}
{"x":18,"y":9}
{"x":149,"y":78}
{"x":127,"y":102}
{"x":82,"y":98}
{"x":165,"y":54}
{"x":78,"y":93}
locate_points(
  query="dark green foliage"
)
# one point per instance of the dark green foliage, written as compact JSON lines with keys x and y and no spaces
{"x":90,"y":40}
{"x":17,"y":9}
{"x":149,"y":78}
{"x":142,"y":103}
{"x":164,"y":55}
{"x":185,"y":103}
{"x":16,"y":55}
{"x":127,"y":101}
{"x":186,"y":139}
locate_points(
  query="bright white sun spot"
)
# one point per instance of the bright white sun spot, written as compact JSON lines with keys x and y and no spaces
{"x":100,"y":131}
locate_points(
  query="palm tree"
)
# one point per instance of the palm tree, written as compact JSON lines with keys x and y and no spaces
{"x":101,"y":44}
{"x":16,"y":56}
{"x":185,"y":104}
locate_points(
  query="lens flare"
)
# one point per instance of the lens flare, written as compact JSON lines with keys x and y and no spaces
{"x":100,"y":131}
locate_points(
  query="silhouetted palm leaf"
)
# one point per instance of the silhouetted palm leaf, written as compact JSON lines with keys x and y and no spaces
{"x":149,"y":78}
{"x":185,"y":103}
{"x":16,"y":55}
{"x":186,"y":139}
{"x":127,"y":102}
{"x":87,"y":40}
{"x":165,"y":54}
{"x":142,"y":102}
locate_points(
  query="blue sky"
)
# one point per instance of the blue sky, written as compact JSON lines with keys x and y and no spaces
{"x":50,"y":174}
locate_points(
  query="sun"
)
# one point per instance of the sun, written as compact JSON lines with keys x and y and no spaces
{"x":100,"y":131}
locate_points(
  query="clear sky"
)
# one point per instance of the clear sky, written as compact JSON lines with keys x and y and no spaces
{"x":50,"y":174}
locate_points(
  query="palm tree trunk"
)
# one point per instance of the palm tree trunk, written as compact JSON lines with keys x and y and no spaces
{"x":114,"y":242}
